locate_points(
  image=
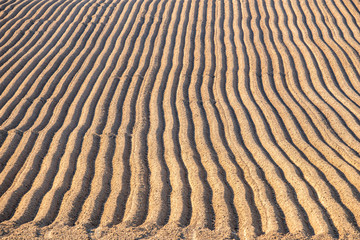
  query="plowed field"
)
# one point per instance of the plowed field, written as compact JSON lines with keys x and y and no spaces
{"x":171,"y":119}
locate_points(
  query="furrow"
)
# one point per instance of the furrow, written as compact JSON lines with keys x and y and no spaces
{"x":239,"y":131}
{"x":61,"y":135}
{"x":334,"y":204}
{"x":180,"y":119}
{"x":90,"y":198}
{"x":40,"y":93}
{"x":180,"y":202}
{"x":221,"y":194}
{"x":25,"y":143}
{"x":23,"y":33}
{"x":120,"y":122}
{"x":296,"y":135}
{"x":48,"y":173}
{"x":39,"y":39}
{"x":335,"y":123}
{"x":325,"y":128}
{"x":351,"y":13}
{"x":8,"y":5}
{"x":248,"y":215}
{"x":346,"y":62}
{"x":276,"y":157}
{"x":137,"y":207}
{"x":311,"y":133}
{"x":327,"y":86}
{"x":348,"y":195}
{"x":70,"y":214}
{"x":308,"y":172}
{"x":278,"y":134}
{"x":19,"y":72}
{"x":18,"y":14}
{"x":202,"y":212}
{"x":15,"y":163}
{"x":67,"y":213}
{"x":160,"y":185}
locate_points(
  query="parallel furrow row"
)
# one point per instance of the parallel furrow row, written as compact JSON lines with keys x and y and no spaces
{"x":236,"y":117}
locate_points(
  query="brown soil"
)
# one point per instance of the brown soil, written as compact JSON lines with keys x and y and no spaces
{"x":179,"y":119}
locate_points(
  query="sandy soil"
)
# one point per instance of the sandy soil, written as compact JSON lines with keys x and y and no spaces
{"x":179,"y":119}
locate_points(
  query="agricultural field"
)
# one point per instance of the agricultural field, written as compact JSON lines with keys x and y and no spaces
{"x":180,"y":119}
